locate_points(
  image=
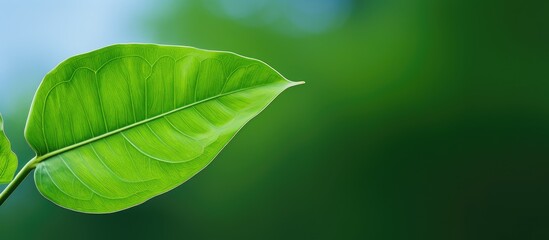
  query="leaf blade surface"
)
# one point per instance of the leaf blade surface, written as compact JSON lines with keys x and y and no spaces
{"x":8,"y":159}
{"x":122,"y":124}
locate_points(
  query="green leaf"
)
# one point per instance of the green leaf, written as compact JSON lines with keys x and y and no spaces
{"x":117,"y":126}
{"x":8,"y":159}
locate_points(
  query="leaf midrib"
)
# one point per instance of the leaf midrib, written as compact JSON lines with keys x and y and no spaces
{"x":41,"y":158}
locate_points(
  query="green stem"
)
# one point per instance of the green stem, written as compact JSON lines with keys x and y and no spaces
{"x":17,"y":180}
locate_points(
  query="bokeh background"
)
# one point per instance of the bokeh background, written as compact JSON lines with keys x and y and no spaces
{"x":419,"y":120}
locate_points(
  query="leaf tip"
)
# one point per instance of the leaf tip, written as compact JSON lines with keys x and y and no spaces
{"x":296,"y":83}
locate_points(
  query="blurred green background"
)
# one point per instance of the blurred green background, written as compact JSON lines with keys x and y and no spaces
{"x":419,"y":120}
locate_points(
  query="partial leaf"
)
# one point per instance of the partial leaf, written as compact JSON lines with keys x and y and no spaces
{"x":115,"y":127}
{"x":8,"y":159}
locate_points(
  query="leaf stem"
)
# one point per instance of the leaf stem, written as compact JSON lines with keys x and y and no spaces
{"x":17,"y":180}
